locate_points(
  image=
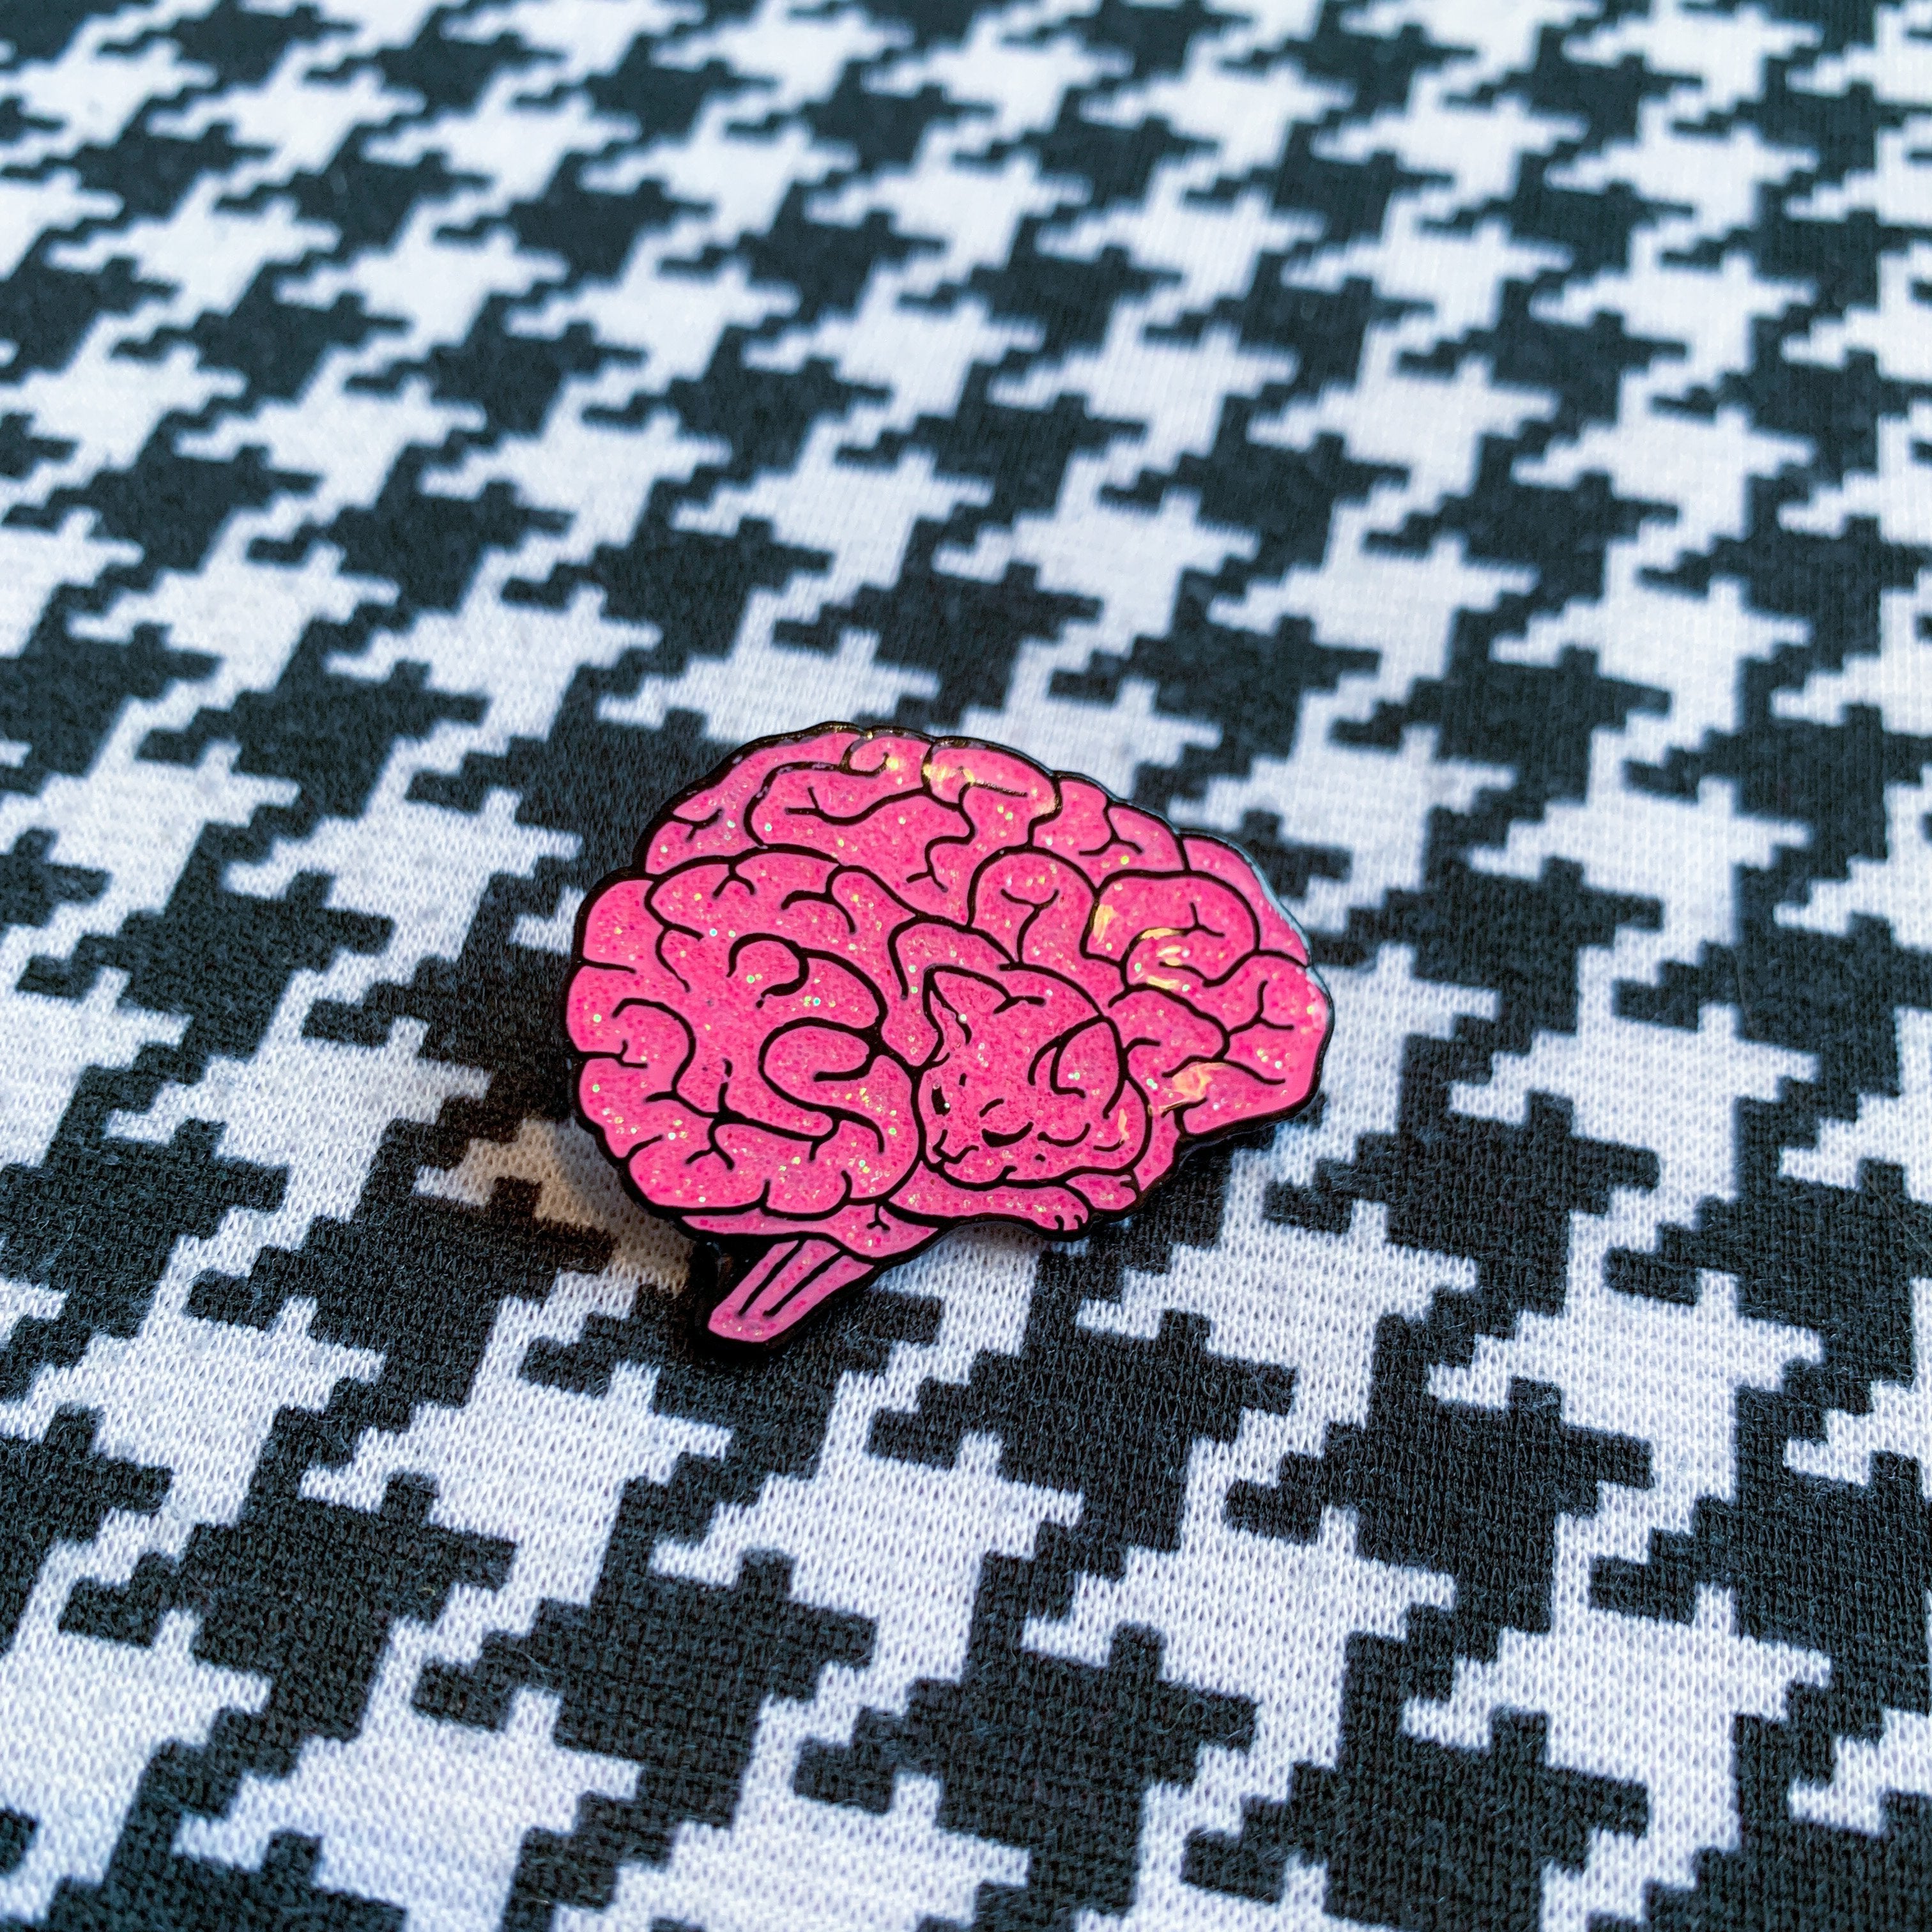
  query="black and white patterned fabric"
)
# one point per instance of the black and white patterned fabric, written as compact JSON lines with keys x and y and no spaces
{"x":1477,"y":456}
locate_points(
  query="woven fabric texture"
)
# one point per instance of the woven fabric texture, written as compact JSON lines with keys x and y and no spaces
{"x":1476,"y":457}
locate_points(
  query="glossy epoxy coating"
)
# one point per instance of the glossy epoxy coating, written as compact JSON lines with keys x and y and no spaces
{"x":867,"y":986}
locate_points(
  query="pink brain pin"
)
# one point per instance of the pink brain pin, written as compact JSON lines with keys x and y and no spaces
{"x":860,"y":988}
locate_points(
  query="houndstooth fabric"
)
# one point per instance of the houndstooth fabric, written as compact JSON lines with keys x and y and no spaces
{"x":1477,"y":456}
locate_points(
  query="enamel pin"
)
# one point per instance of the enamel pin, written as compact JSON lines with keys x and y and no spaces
{"x":860,"y":988}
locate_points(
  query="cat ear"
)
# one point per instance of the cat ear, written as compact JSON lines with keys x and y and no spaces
{"x":970,"y":1000}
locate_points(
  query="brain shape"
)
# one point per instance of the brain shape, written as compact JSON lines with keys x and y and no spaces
{"x":865,"y":986}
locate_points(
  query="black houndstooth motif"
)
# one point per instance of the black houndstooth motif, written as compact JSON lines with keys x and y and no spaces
{"x":1477,"y":457}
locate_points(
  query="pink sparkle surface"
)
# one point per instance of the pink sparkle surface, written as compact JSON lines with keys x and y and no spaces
{"x":864,"y":987}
